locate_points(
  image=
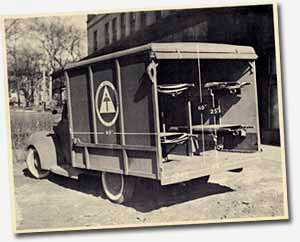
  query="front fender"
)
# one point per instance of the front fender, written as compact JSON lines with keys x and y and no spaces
{"x":45,"y":144}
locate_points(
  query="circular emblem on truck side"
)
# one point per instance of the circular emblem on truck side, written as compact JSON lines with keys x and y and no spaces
{"x":107,"y":103}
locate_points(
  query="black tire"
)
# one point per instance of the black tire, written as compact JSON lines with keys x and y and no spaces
{"x":117,"y":187}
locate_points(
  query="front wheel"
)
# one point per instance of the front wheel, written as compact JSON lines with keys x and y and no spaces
{"x":117,"y":187}
{"x":34,"y":164}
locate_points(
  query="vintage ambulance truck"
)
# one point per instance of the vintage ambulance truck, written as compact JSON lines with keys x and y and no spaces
{"x":166,"y":111}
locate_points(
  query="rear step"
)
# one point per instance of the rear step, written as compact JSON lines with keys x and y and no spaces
{"x":181,"y":168}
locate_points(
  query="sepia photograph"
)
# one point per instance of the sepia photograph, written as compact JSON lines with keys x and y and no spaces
{"x":151,"y":117}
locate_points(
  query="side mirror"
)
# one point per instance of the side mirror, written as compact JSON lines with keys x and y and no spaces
{"x":54,"y":111}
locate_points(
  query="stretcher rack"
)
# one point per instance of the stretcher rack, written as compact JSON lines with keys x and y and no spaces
{"x":232,"y":87}
{"x":234,"y":128}
{"x":189,"y":133}
{"x":215,"y":131}
{"x":173,"y":139}
{"x":174,"y":90}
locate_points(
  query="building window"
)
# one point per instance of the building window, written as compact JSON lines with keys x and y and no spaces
{"x":158,"y":15}
{"x":143,"y":19}
{"x":114,"y":30}
{"x":95,"y":40}
{"x":106,"y":33}
{"x":132,"y":23}
{"x":123,"y":25}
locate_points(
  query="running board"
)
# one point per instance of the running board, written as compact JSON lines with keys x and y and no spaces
{"x":66,"y":171}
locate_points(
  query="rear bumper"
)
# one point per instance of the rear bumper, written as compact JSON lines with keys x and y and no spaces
{"x":185,"y":168}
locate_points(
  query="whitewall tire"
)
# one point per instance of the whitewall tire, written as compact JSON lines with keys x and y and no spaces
{"x":117,"y":187}
{"x":34,"y":164}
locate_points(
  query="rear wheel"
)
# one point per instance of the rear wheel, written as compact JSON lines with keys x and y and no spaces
{"x":34,"y":164}
{"x":117,"y":187}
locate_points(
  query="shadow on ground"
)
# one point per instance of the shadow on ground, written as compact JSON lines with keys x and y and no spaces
{"x":148,"y":195}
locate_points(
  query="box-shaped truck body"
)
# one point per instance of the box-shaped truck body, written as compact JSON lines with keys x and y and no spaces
{"x":166,"y":111}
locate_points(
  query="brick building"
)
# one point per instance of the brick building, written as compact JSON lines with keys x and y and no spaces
{"x":248,"y":25}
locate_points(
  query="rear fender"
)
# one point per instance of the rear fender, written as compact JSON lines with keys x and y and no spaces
{"x":45,"y":144}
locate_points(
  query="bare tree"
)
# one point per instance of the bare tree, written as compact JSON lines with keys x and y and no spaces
{"x":52,"y":41}
{"x":13,"y":29}
{"x":61,"y":42}
{"x":24,"y":73}
{"x":13,"y":32}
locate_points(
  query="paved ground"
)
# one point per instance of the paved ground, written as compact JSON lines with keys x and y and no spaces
{"x":61,"y":202}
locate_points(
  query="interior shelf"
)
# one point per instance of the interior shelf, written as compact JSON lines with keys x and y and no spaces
{"x":210,"y":128}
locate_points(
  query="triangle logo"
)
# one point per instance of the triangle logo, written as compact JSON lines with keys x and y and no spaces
{"x":107,"y":105}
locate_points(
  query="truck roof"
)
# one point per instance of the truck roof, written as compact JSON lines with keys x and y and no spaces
{"x":179,"y":50}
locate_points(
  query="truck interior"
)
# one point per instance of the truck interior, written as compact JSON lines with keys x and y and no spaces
{"x":197,"y":112}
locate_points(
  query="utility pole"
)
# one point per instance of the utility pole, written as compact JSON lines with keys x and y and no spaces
{"x":44,"y":98}
{"x":50,"y":90}
{"x":42,"y":88}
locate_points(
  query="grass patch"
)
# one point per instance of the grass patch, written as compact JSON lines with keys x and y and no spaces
{"x":23,"y":124}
